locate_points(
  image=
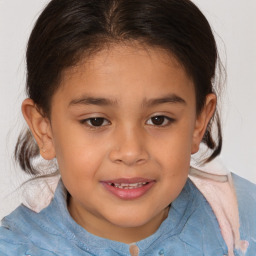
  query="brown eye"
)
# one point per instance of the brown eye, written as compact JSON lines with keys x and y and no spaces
{"x":160,"y":121}
{"x":95,"y":122}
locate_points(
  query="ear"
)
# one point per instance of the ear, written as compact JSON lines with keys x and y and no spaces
{"x":40,"y":127}
{"x":202,"y":121}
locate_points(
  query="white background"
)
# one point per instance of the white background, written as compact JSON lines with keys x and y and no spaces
{"x":235,"y":25}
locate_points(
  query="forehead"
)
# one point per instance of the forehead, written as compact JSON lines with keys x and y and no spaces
{"x":127,"y":70}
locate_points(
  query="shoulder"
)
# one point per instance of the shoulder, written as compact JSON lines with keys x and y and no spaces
{"x":15,"y":234}
{"x":243,"y":185}
{"x":12,"y":243}
{"x":46,"y":233}
{"x":246,"y":197}
{"x":26,"y":232}
{"x":246,"y":194}
{"x":220,"y":198}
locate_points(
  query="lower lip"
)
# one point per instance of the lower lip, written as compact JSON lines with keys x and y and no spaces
{"x":129,"y":194}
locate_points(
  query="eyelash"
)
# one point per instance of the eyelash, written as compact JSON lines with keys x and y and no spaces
{"x":91,"y":126}
{"x":167,"y":120}
{"x":88,"y":122}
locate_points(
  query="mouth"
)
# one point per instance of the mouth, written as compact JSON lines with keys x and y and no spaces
{"x":128,"y":189}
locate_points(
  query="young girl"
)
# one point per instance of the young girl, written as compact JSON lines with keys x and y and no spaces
{"x":121,"y":93}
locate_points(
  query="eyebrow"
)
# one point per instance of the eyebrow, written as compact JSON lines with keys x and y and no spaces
{"x":171,"y":98}
{"x":92,"y":101}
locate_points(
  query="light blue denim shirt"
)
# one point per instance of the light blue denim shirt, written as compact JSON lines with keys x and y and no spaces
{"x":191,"y":229}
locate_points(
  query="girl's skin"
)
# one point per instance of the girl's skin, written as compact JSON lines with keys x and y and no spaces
{"x":127,"y":86}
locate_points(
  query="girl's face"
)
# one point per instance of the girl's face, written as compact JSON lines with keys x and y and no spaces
{"x":123,"y":127}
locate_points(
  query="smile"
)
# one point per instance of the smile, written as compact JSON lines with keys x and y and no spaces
{"x":128,"y":189}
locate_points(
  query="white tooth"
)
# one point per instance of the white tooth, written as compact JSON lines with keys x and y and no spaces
{"x":128,"y":186}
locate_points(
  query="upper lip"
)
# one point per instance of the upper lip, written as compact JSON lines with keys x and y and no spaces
{"x":128,"y":180}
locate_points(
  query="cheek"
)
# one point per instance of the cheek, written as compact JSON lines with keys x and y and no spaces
{"x":173,"y":155}
{"x":174,"y":146}
{"x":175,"y":167}
{"x":78,"y":156}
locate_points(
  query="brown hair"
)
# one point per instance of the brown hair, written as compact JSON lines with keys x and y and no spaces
{"x":68,"y":30}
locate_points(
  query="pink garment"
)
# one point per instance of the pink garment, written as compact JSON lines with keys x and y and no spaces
{"x":216,"y":184}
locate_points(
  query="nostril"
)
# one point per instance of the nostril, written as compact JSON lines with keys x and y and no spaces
{"x":128,"y":158}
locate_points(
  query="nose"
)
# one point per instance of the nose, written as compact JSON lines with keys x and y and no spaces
{"x":129,"y":147}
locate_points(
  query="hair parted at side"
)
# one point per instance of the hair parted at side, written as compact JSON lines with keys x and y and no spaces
{"x":69,"y":30}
